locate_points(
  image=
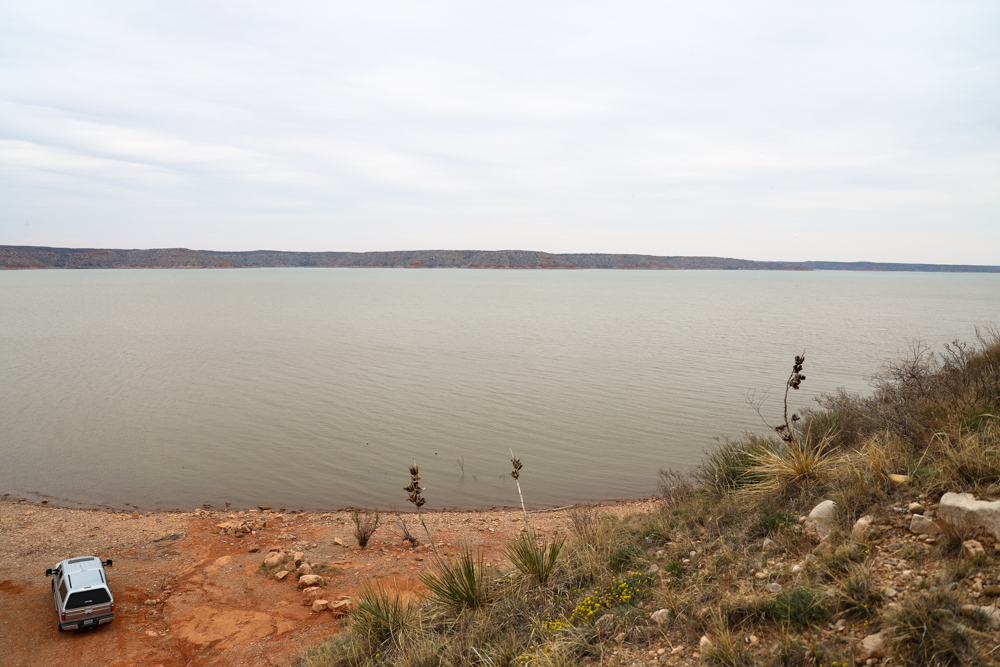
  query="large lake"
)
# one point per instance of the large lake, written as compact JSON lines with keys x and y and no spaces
{"x":316,"y":388}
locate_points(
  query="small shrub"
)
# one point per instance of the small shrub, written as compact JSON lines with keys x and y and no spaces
{"x":675,"y":569}
{"x":365,"y":525}
{"x":532,"y":557}
{"x":624,"y":556}
{"x":584,"y":521}
{"x":733,"y":464}
{"x":460,"y":586}
{"x":623,"y":591}
{"x":770,"y":523}
{"x":798,"y":606}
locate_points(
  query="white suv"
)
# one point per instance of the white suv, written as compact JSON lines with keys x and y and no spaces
{"x":81,"y":593}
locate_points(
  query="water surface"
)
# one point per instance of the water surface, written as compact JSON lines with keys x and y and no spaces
{"x":315,"y":388}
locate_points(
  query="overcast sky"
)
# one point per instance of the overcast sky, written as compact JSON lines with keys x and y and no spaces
{"x":780,"y":130}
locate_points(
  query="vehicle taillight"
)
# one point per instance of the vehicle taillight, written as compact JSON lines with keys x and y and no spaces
{"x":112,"y":606}
{"x":64,"y":617}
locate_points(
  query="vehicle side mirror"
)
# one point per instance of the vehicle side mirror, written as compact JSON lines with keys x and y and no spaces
{"x":48,"y":572}
{"x":107,"y":563}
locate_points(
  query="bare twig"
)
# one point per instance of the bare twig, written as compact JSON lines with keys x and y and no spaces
{"x":516,"y":473}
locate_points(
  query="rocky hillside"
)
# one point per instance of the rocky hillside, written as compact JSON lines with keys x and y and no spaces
{"x":29,"y":257}
{"x":36,"y":257}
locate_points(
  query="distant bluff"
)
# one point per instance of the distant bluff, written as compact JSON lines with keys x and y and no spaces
{"x":37,"y":257}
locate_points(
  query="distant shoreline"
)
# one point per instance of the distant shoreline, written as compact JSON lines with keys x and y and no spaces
{"x":42,"y":257}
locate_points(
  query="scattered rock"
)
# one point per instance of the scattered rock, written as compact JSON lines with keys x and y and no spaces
{"x":820,"y":521}
{"x":660,"y":617}
{"x":961,"y":514}
{"x":704,"y":643}
{"x":992,"y":590}
{"x":620,"y":637}
{"x":972,"y":548}
{"x":338,"y":542}
{"x":767,"y":542}
{"x":872,"y":646}
{"x":298,"y":557}
{"x":921,"y":525}
{"x":915,"y":508}
{"x":264,"y":508}
{"x":890,"y":592}
{"x":304,"y":569}
{"x":822,"y":549}
{"x":253,"y":550}
{"x":859,"y":533}
{"x":341,"y":606}
{"x":991,"y":612}
{"x":320,"y":605}
{"x":223,"y":560}
{"x":604,"y":623}
{"x":898,"y":480}
{"x":281,"y":575}
{"x":773,"y":588}
{"x":311,"y":594}
{"x":135,"y":514}
{"x":151,"y":602}
{"x":796,"y":568}
{"x":272,"y":561}
{"x":308,"y":580}
{"x":654,"y":568}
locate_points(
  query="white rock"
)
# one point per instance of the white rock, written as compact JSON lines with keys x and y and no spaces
{"x":961,"y":514}
{"x":660,"y":617}
{"x":859,"y":533}
{"x":773,"y":588}
{"x":921,"y":525}
{"x":307,"y":580}
{"x":704,"y":643}
{"x":872,"y":646}
{"x":320,"y":605}
{"x":971,"y":548}
{"x":820,"y":521}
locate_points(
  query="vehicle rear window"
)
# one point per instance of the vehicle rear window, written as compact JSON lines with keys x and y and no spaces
{"x":88,"y":598}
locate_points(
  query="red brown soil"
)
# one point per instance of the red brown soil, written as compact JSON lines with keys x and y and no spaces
{"x":188,"y":596}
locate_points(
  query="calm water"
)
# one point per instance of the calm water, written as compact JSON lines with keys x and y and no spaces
{"x":315,"y":388}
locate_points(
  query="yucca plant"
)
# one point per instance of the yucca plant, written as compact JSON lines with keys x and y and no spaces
{"x":533,"y":557}
{"x":463,"y":585}
{"x":381,"y":615}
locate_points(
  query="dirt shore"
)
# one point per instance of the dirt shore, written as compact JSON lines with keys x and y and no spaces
{"x":189,"y":595}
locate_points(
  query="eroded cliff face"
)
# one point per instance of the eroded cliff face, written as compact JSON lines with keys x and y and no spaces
{"x":31,"y":257}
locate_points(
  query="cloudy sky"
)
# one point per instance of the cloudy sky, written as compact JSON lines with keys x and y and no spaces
{"x":779,"y":130}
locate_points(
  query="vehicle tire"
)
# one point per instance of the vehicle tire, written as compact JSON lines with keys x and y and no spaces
{"x":59,"y":626}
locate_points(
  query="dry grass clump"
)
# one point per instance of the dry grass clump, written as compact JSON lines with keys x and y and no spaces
{"x":795,"y":463}
{"x":929,"y":630}
{"x":365,"y":525}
